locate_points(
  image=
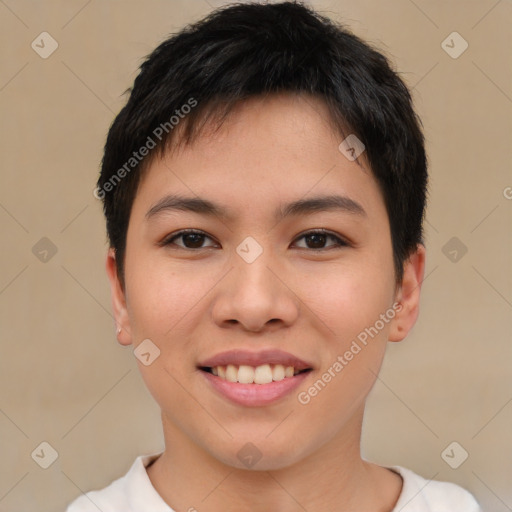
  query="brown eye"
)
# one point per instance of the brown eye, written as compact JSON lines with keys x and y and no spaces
{"x":318,"y":239}
{"x":192,"y":240}
{"x":189,"y":239}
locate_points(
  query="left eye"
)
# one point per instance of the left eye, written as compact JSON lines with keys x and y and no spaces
{"x":319,"y":238}
{"x":316,"y":240}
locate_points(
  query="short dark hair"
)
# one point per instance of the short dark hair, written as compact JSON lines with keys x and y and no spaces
{"x":251,"y":49}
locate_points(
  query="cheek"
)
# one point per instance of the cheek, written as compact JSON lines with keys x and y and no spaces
{"x":160,"y":297}
{"x":350,"y":301}
{"x":347,"y":298}
{"x":162,"y":303}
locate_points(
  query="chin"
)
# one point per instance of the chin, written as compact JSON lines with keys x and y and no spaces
{"x":259,"y":454}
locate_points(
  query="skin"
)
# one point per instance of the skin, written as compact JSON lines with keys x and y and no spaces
{"x":195,"y":303}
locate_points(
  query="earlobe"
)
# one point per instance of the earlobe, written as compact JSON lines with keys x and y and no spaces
{"x":118,"y":299}
{"x":408,"y":295}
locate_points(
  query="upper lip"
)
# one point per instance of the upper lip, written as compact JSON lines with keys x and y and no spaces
{"x":245,"y":357}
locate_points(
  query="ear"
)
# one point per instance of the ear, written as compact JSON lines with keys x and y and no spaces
{"x":408,"y":295}
{"x":118,"y":300}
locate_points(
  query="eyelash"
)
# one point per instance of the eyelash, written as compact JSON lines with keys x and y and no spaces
{"x":339,"y":241}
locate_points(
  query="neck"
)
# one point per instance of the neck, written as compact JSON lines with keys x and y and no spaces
{"x":334,"y":477}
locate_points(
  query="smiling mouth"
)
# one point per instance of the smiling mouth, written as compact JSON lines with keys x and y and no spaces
{"x":262,"y":374}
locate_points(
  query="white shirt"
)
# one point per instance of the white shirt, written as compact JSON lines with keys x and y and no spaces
{"x":134,"y":493}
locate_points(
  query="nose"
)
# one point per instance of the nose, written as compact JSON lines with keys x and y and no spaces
{"x":255,"y":296}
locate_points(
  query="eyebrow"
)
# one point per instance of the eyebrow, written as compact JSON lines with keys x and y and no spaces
{"x":300,"y":207}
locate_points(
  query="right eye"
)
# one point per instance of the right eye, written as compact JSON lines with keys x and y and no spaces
{"x":191,"y":239}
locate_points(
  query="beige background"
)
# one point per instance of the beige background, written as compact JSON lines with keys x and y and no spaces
{"x":64,"y":379}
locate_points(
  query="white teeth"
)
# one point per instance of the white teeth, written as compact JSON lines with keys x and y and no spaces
{"x":231,"y":373}
{"x":262,"y":374}
{"x":246,"y":374}
{"x":278,"y":372}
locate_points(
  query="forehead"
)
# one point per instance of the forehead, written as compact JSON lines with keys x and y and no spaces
{"x":268,"y":150}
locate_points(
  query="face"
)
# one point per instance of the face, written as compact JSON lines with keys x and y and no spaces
{"x":286,"y":283}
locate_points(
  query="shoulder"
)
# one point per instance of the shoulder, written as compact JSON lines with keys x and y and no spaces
{"x":111,"y":498}
{"x":422,"y":495}
{"x":121,"y":494}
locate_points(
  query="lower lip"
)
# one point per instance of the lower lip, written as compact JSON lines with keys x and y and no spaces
{"x":255,"y":395}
